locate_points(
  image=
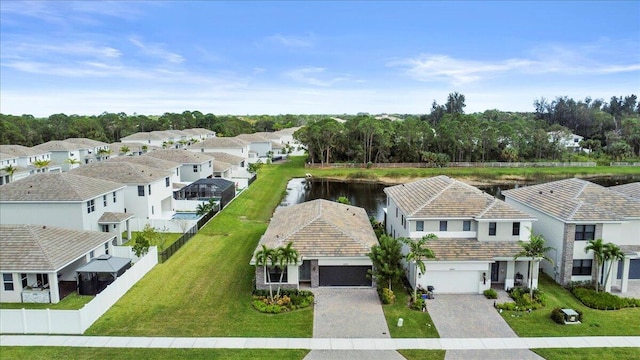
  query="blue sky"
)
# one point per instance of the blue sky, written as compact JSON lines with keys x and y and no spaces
{"x":331,"y":57}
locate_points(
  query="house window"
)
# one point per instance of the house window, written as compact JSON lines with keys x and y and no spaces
{"x":92,"y":254}
{"x":209,"y":163}
{"x":106,"y":248}
{"x":492,"y":229}
{"x":396,"y":212}
{"x":166,"y":182}
{"x":104,"y":200}
{"x":195,"y":168}
{"x":443,"y":225}
{"x":42,"y":280}
{"x":149,"y":189}
{"x":114,"y":197}
{"x":466,"y":225}
{"x":419,"y":225}
{"x":585,"y":232}
{"x":91,"y":206}
{"x":140,"y":190}
{"x":516,"y":229}
{"x":402,"y":220}
{"x":25,"y":280}
{"x":105,"y":228}
{"x":7,"y":281}
{"x":581,"y":267}
{"x":177,"y":171}
{"x":274,"y":275}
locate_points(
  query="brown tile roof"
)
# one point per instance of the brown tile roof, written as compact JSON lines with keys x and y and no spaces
{"x":114,"y":217}
{"x":443,"y":197}
{"x":147,"y":160}
{"x":45,"y":248}
{"x":181,"y":156}
{"x":228,"y":158}
{"x":56,"y":187}
{"x":19,"y":150}
{"x":472,"y":249}
{"x":220,"y":143}
{"x":577,"y":200}
{"x":631,"y":189}
{"x":321,"y":228}
{"x":122,"y":172}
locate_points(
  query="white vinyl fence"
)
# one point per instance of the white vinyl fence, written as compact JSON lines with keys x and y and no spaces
{"x":23,"y":321}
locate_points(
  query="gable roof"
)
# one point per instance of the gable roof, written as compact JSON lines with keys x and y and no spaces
{"x":444,"y":197}
{"x":4,"y":156}
{"x":57,"y":145}
{"x":321,"y":228}
{"x":181,"y":156}
{"x":19,"y":150}
{"x":147,"y":160}
{"x":631,"y":189}
{"x":45,"y":248}
{"x":114,"y":217}
{"x":86,"y":142}
{"x":472,"y":249}
{"x":253,"y":138}
{"x":56,"y":187}
{"x":577,"y":200}
{"x":288,"y":131}
{"x":122,"y":172}
{"x":133,"y":146}
{"x":228,"y":158}
{"x":220,"y":142}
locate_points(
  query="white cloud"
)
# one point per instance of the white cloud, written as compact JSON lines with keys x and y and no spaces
{"x":156,"y":50}
{"x":291,"y":41}
{"x":311,"y":75}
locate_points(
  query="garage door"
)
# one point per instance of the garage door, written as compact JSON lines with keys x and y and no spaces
{"x":454,"y":282}
{"x":634,"y":269}
{"x":344,"y":276}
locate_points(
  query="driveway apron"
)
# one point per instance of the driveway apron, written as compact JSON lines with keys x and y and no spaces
{"x":349,"y":313}
{"x":472,"y":316}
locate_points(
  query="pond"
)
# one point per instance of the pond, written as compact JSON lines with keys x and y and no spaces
{"x":371,"y":197}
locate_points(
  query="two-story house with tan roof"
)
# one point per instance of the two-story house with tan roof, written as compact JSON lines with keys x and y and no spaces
{"x":259,"y":144}
{"x":28,"y":160}
{"x":194,"y":166}
{"x":66,"y":200}
{"x":9,"y":168}
{"x":153,"y":162}
{"x":65,"y":154}
{"x":232,"y":146}
{"x":573,"y":211}
{"x":332,"y":241}
{"x":93,"y":150}
{"x":478,"y":235}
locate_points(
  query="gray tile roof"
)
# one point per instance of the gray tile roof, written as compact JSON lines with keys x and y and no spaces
{"x":472,"y":249}
{"x":147,"y":160}
{"x":122,"y":172}
{"x":631,"y":189}
{"x":45,"y":248}
{"x":86,"y":142}
{"x":228,"y":158}
{"x":269,"y":135}
{"x":288,"y":131}
{"x":133,"y":147}
{"x":114,"y":217}
{"x":220,"y":143}
{"x":56,"y":187}
{"x":19,"y":150}
{"x":444,"y":197}
{"x":219,"y":166}
{"x":57,"y":145}
{"x":577,"y":200}
{"x":4,"y":156}
{"x":253,"y":138}
{"x":144,"y":136}
{"x":181,"y":156}
{"x":321,"y":228}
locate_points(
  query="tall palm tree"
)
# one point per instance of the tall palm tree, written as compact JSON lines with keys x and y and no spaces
{"x":534,"y":249}
{"x":124,"y":149}
{"x":10,"y":169}
{"x":72,"y":162}
{"x":41,"y":164}
{"x":611,"y":253}
{"x":597,"y":246}
{"x":286,"y":255}
{"x":418,"y":251}
{"x":266,"y":257}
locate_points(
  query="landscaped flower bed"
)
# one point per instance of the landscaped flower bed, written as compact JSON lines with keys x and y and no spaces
{"x":523,"y":300}
{"x":287,"y":300}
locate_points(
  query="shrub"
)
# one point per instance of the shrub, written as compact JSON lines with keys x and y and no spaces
{"x":490,"y":294}
{"x":557,"y":316}
{"x":524,"y":301}
{"x":387,"y":296}
{"x":506,"y":306}
{"x":603,"y":300}
{"x":418,"y":304}
{"x":288,"y":300}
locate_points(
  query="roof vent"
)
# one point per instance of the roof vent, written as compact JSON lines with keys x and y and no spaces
{"x":551,"y":191}
{"x":540,"y":192}
{"x":44,"y":226}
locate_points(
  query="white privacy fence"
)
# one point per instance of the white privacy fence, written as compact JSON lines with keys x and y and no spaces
{"x":23,"y":321}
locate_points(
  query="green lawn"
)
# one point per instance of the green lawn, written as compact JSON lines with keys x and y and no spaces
{"x":423,"y":354}
{"x":124,"y":353}
{"x":589,"y":353}
{"x":164,"y":240}
{"x":72,"y":302}
{"x":595,"y":322}
{"x":416,"y":324}
{"x":205,"y":288}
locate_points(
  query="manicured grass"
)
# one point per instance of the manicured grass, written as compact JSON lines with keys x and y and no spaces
{"x":71,"y":302}
{"x":166,"y":238}
{"x":205,"y":288}
{"x":416,"y":324}
{"x":589,"y":353}
{"x":423,"y":354}
{"x":595,"y":322}
{"x":124,"y":353}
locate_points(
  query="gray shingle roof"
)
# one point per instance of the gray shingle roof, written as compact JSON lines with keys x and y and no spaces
{"x":133,"y":147}
{"x":147,"y":160}
{"x":56,"y":187}
{"x":114,"y":217}
{"x":631,"y":189}
{"x":122,"y":172}
{"x":45,"y":248}
{"x":253,"y":138}
{"x":219,"y":166}
{"x":472,"y":249}
{"x":86,"y":142}
{"x":19,"y":150}
{"x":288,"y":131}
{"x":228,"y":158}
{"x":4,"y":156}
{"x":57,"y":145}
{"x":577,"y":200}
{"x":444,"y":197}
{"x":321,"y":228}
{"x":220,"y":143}
{"x":181,"y":156}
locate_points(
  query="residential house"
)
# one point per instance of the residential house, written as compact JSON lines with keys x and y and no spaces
{"x":66,"y":200}
{"x":65,"y":154}
{"x":38,"y":263}
{"x":332,"y":241}
{"x":566,"y":140}
{"x":199,"y":134}
{"x":148,"y":192}
{"x":231,"y":146}
{"x":286,"y":138}
{"x":194,"y":166}
{"x":573,"y":211}
{"x":94,"y":150}
{"x":133,"y":149}
{"x":29,"y":160}
{"x":9,"y":168}
{"x":630,"y":189}
{"x":154,"y":162}
{"x":221,"y":190}
{"x":160,"y":139}
{"x":478,"y":235}
{"x":258,"y":144}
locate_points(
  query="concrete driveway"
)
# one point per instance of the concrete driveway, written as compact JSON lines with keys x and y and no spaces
{"x":472,"y":316}
{"x":349,"y":313}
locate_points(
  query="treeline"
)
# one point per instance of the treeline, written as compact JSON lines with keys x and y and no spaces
{"x":110,"y":127}
{"x":447,"y":134}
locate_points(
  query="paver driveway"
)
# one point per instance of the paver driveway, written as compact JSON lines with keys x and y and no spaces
{"x":472,"y":316}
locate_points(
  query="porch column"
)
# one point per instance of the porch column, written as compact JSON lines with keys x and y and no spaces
{"x":128,"y":231}
{"x":315,"y":274}
{"x":625,"y":275}
{"x":611,"y":278}
{"x":511,"y":269}
{"x":536,"y":274}
{"x":54,"y":290}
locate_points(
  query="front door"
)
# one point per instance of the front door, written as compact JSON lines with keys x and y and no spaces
{"x":495,"y":271}
{"x":305,"y":271}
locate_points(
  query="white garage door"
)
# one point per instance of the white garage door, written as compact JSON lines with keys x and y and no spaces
{"x":454,"y":282}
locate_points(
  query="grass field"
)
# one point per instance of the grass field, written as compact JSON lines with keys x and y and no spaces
{"x":416,"y":324}
{"x":595,"y":322}
{"x":589,"y":353}
{"x":164,"y":239}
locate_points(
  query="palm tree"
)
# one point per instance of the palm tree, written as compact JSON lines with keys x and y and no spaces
{"x":286,"y":255}
{"x":597,"y":246}
{"x":10,"y":169}
{"x":417,"y":252}
{"x":41,"y":164}
{"x":144,"y":148}
{"x":124,"y":149}
{"x":534,"y":249}
{"x":72,"y":162}
{"x":611,"y":253}
{"x":266,"y":257}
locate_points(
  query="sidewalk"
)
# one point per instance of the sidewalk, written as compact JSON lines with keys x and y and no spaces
{"x":321,"y":344}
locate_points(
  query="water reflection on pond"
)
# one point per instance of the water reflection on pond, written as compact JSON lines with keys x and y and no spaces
{"x":371,"y":197}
